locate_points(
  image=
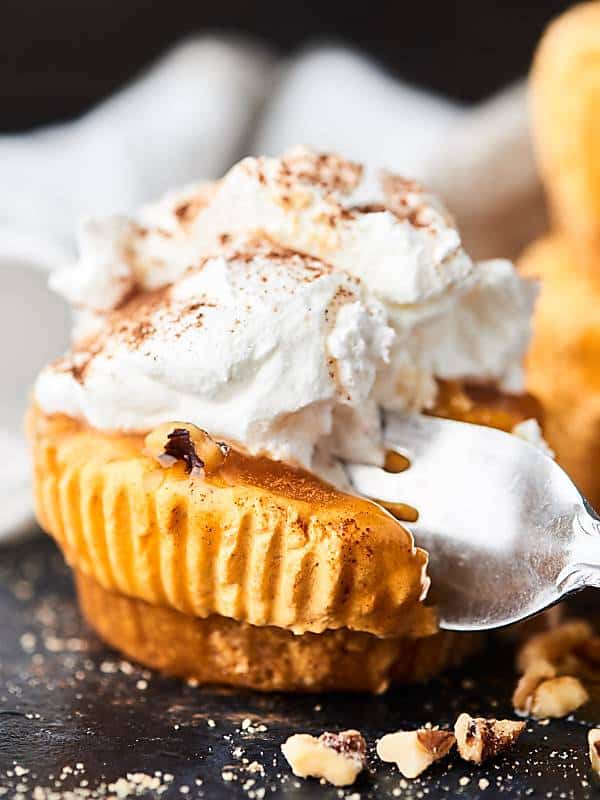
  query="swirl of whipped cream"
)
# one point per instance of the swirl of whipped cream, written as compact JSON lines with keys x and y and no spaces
{"x":322,"y":308}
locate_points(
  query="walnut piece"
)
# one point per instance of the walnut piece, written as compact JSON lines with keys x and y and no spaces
{"x":336,"y":757}
{"x":479,"y":739}
{"x":550,"y":662}
{"x":522,"y":698}
{"x":349,"y":743}
{"x":181,"y":441}
{"x":557,"y":697}
{"x":554,"y":646}
{"x":587,"y":658}
{"x":594,"y":749}
{"x":414,"y":751}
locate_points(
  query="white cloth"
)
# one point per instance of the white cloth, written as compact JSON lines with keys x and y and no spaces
{"x":201,"y":107}
{"x":479,"y":159}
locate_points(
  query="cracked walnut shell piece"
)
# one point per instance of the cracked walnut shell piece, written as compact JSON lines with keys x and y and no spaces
{"x":338,"y":758}
{"x":415,"y":751}
{"x":478,"y":738}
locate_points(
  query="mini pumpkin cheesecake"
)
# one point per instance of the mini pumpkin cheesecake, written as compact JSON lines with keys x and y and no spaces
{"x":233,"y":347}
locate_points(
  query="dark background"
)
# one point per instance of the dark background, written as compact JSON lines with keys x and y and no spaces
{"x":57,"y":57}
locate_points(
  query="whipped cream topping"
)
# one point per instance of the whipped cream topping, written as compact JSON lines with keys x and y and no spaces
{"x":262,"y":348}
{"x":275,"y":310}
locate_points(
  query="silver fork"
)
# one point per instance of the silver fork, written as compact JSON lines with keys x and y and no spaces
{"x":507,"y":531}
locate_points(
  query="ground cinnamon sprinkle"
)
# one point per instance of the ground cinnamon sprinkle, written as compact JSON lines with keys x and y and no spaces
{"x":324,"y":169}
{"x":188,"y":211}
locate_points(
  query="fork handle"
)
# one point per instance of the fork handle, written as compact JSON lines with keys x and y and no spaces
{"x":584,"y":568}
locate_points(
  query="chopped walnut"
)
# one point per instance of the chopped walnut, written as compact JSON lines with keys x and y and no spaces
{"x":349,"y":743}
{"x":528,"y":683}
{"x":557,"y":697}
{"x":181,"y":441}
{"x":414,"y":751}
{"x":479,"y":739}
{"x":554,"y":646}
{"x":550,"y":662}
{"x":587,"y":659}
{"x":336,"y":757}
{"x":594,"y":745}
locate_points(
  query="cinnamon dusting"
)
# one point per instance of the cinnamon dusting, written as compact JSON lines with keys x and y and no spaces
{"x":327,"y":170}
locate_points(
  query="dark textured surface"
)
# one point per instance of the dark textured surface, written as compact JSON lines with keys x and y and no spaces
{"x":66,"y":700}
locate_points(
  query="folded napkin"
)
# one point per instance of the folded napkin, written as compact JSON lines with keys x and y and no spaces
{"x":187,"y":118}
{"x":201,"y":107}
{"x":479,"y":159}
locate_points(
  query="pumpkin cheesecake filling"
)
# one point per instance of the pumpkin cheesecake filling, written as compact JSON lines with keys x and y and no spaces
{"x":233,"y":346}
{"x":254,"y":540}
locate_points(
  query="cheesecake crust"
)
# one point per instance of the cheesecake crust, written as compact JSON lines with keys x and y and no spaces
{"x":222,"y":651}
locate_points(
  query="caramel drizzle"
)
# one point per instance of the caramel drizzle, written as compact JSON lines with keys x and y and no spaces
{"x":395,"y":462}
